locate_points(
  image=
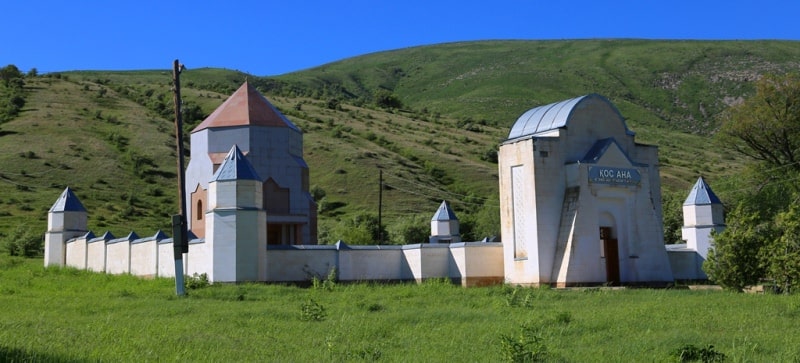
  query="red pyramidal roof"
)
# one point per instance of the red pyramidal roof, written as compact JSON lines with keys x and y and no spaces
{"x":245,"y":107}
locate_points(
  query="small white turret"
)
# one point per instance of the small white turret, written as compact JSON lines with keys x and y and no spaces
{"x":702,"y":213}
{"x":236,"y":229}
{"x":444,"y":225}
{"x":66,"y":219}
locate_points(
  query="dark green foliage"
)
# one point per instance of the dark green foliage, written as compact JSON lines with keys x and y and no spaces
{"x":480,"y":219}
{"x":12,"y":93}
{"x":766,"y":127}
{"x":192,"y":114}
{"x":312,"y":311}
{"x":733,"y":262}
{"x":334,"y":104}
{"x":782,"y":253}
{"x":762,"y":238}
{"x":409,"y":230}
{"x":526,"y":345}
{"x":386,"y":99}
{"x":317,"y":193}
{"x":672,"y":211}
{"x":22,"y":242}
{"x":691,"y":353}
{"x":10,"y":74}
{"x":490,"y":155}
{"x":196,"y":281}
{"x":361,"y":229}
{"x":328,"y":284}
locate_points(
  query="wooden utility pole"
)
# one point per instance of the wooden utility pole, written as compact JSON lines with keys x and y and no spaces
{"x":380,"y":206}
{"x":180,"y":243}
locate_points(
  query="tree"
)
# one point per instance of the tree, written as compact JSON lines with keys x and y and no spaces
{"x":23,"y":242}
{"x":9,"y":74}
{"x":386,"y":99}
{"x":782,"y":254}
{"x":362,"y":229}
{"x":672,"y":209}
{"x":766,"y":127}
{"x":763,"y":232}
{"x":408,"y":230}
{"x":733,"y":261}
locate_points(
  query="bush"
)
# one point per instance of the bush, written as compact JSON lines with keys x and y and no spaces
{"x":22,"y":242}
{"x":408,"y":230}
{"x":312,"y":311}
{"x":196,"y":281}
{"x":690,"y":353}
{"x":525,"y":346}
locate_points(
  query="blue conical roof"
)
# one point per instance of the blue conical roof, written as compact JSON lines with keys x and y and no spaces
{"x":235,"y":167}
{"x":444,"y":213}
{"x":701,"y":194}
{"x":67,"y":202}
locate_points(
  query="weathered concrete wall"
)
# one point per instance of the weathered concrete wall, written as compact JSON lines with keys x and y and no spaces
{"x":470,"y":264}
{"x":96,"y":255}
{"x":300,"y":263}
{"x":428,"y":260}
{"x":686,"y":264}
{"x":118,"y":256}
{"x":144,"y":258}
{"x":166,"y":258}
{"x":76,"y":253}
{"x":477,"y":264}
{"x":361,"y":263}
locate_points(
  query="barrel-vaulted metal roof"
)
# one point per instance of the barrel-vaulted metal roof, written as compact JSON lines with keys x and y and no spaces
{"x":553,"y":116}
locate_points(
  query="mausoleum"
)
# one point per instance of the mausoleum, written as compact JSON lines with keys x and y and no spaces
{"x":580,"y":200}
{"x":274,"y":147}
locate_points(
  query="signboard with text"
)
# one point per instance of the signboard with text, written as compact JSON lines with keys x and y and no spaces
{"x":615,"y":176}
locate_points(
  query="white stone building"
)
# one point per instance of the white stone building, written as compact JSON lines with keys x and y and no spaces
{"x":580,"y":200}
{"x":274,"y":147}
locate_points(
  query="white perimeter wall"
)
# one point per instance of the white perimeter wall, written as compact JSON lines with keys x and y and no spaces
{"x":470,"y":263}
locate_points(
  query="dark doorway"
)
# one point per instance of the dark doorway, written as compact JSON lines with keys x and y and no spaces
{"x":611,"y":250}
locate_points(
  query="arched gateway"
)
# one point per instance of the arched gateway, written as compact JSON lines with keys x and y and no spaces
{"x":580,"y":200}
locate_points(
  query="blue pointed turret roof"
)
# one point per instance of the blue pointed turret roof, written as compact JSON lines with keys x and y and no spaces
{"x":67,"y":202}
{"x":160,"y":235}
{"x":235,"y":167}
{"x":444,"y":213}
{"x":701,"y":194}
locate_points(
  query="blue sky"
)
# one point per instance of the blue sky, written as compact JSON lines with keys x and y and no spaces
{"x":275,"y":37}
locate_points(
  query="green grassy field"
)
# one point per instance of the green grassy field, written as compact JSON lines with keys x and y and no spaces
{"x":66,"y":315}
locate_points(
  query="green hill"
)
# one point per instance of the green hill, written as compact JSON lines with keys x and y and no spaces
{"x":109,"y":135}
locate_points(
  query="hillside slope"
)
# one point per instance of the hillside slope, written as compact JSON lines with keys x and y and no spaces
{"x":109,"y":135}
{"x":681,"y":85}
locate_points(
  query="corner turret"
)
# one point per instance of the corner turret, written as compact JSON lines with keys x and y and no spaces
{"x":236,"y":235}
{"x":702,"y":213}
{"x":444,"y":225}
{"x":66,"y":219}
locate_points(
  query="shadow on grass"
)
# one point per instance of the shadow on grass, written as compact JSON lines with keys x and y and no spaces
{"x":9,"y":354}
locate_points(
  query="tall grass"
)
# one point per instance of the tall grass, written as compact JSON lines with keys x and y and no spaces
{"x":62,"y":314}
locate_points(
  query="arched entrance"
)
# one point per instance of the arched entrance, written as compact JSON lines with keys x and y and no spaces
{"x":610,"y":251}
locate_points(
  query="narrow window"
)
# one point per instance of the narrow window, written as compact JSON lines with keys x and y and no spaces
{"x":199,"y":212}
